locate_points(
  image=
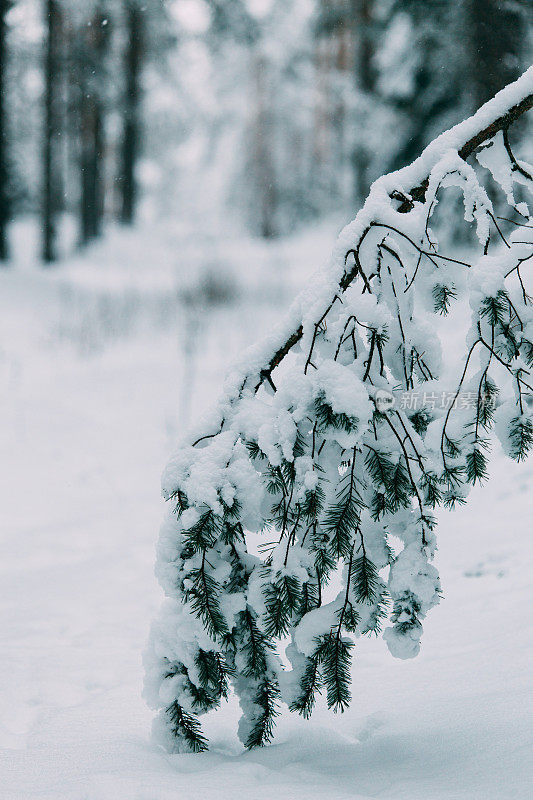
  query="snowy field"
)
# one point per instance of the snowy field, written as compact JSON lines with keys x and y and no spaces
{"x":99,"y":372}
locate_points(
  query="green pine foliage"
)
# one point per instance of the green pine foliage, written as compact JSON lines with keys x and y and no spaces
{"x":526,"y":350}
{"x":520,"y":437}
{"x":309,"y":597}
{"x":203,"y":596}
{"x":486,"y":402}
{"x":324,"y":559}
{"x":310,"y":685}
{"x":186,"y":727}
{"x":420,"y":420}
{"x":213,"y":671}
{"x":476,"y":466}
{"x":431,"y":486}
{"x":266,"y":698}
{"x":442,"y":298}
{"x":333,"y":653}
{"x":495,"y":310}
{"x":313,"y":503}
{"x":393,"y":488}
{"x":327,"y":418}
{"x":341,"y":519}
{"x":282,"y":594}
{"x":364,"y":579}
{"x":204,"y":533}
{"x":254,"y":644}
{"x":406,"y":612}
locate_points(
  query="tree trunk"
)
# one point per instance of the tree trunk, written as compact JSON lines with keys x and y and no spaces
{"x":497,"y":35}
{"x":91,"y":179}
{"x":51,"y":131}
{"x":365,"y":79}
{"x":263,"y":159}
{"x":131,"y":133}
{"x":92,"y":131}
{"x":4,"y":168}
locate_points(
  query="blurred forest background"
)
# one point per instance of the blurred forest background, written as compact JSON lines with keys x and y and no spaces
{"x":258,"y":114}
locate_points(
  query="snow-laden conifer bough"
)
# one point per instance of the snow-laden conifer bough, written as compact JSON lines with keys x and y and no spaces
{"x":302,"y":462}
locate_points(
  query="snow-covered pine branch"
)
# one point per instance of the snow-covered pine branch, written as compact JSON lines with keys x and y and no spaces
{"x":303,"y":451}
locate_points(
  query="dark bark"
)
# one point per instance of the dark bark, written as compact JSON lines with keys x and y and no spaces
{"x":362,"y":14}
{"x":438,"y":85}
{"x":132,"y":99}
{"x":92,"y":131}
{"x":91,"y":178}
{"x":496,"y":33}
{"x":4,"y":167}
{"x":263,"y":157}
{"x":365,"y":79}
{"x":51,"y":131}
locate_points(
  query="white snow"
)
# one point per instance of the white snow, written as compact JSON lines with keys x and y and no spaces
{"x":90,"y":412}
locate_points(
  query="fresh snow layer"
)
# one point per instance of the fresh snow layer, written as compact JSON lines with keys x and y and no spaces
{"x":95,"y":361}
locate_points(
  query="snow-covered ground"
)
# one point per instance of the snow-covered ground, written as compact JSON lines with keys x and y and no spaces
{"x":102,"y":361}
